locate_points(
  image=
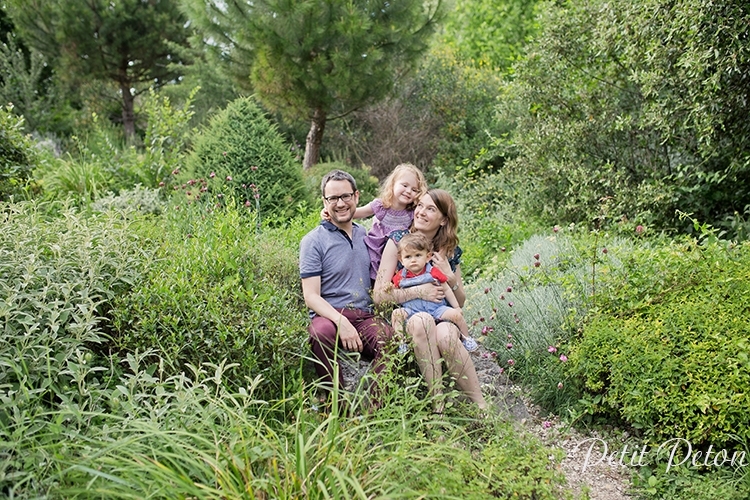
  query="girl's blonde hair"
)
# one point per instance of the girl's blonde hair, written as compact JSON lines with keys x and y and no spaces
{"x":446,"y":239}
{"x":386,"y":190}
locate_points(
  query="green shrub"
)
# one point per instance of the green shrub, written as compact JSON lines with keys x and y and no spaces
{"x":218,"y":290}
{"x":242,"y":146}
{"x":668,"y":349}
{"x":17,"y":154}
{"x":59,"y":274}
{"x":139,"y":199}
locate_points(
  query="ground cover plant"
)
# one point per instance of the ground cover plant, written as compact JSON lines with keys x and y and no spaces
{"x":642,"y":333}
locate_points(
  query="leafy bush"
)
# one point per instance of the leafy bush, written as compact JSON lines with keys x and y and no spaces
{"x":17,"y":154}
{"x":527,"y":313}
{"x":59,"y":273}
{"x":666,"y":350}
{"x":218,"y":290}
{"x":139,"y":199}
{"x":610,"y":102}
{"x":241,"y":144}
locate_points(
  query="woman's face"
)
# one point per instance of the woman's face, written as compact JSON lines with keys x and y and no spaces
{"x":427,"y":216}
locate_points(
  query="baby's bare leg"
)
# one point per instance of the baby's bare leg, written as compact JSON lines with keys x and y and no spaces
{"x":398,"y":321}
{"x":456,"y":317}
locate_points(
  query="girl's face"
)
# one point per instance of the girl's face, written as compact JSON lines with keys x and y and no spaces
{"x":427,"y":216}
{"x":405,"y":189}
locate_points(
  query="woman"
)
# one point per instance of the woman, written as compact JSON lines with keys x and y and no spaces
{"x":435,"y":217}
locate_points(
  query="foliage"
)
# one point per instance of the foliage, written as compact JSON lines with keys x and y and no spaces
{"x":125,"y":42}
{"x":490,"y":33}
{"x":59,"y":273}
{"x":463,"y":96}
{"x":315,"y":60}
{"x":492,"y":217}
{"x":139,"y":199}
{"x":17,"y":154}
{"x":599,"y":114}
{"x":527,"y":308}
{"x":241,"y":145}
{"x":666,"y":350}
{"x":217,"y":290}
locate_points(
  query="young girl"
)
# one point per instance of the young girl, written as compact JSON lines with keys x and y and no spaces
{"x":393,"y":209}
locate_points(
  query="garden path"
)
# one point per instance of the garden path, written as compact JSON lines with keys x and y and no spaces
{"x":595,"y":481}
{"x":599,"y":481}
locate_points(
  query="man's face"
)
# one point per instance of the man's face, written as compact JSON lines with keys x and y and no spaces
{"x":341,"y":211}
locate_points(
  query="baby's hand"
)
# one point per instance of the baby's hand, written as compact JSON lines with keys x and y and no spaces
{"x":325,"y":215}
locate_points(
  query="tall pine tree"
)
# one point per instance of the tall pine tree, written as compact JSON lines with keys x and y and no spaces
{"x":126,"y":42}
{"x":317,"y":59}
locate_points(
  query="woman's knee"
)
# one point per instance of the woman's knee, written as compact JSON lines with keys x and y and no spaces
{"x":420,"y":326}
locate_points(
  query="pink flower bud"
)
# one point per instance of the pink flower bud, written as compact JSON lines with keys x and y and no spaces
{"x":563,"y":358}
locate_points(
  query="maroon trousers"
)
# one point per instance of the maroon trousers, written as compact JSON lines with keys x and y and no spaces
{"x":374,"y":332}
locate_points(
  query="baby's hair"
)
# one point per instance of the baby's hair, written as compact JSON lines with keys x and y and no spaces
{"x":414,"y":241}
{"x":386,"y":190}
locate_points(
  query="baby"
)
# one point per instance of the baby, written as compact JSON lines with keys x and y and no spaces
{"x":415,"y":253}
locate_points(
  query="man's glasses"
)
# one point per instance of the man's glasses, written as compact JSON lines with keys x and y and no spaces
{"x":346,"y":198}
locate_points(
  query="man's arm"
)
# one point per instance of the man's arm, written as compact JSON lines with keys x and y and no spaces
{"x":347,"y":333}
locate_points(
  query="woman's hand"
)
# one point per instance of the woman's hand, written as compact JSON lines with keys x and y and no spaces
{"x":439,"y":261}
{"x":431,"y":292}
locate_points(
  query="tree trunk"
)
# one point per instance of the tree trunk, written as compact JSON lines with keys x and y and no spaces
{"x":128,"y":115}
{"x":314,"y":138}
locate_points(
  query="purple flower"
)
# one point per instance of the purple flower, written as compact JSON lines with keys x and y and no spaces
{"x":563,"y":358}
{"x":604,"y":250}
{"x":556,"y":229}
{"x":247,"y":203}
{"x":546,"y":424}
{"x":552,"y":349}
{"x":509,"y":345}
{"x":559,"y":385}
{"x":537,"y":264}
{"x":212,"y":175}
{"x":509,"y":289}
{"x":639,"y":229}
{"x":511,"y":362}
{"x":536,"y":256}
{"x":229,"y":177}
{"x":486,"y":291}
{"x":510,"y":304}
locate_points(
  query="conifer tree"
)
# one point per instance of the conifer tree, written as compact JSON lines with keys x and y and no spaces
{"x":317,"y":59}
{"x":126,"y":42}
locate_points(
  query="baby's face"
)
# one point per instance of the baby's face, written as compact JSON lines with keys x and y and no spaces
{"x":414,"y":260}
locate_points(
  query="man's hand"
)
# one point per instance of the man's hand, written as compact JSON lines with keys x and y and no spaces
{"x":349,"y":336}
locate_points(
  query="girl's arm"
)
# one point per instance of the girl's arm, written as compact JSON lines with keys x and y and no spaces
{"x":364,"y":212}
{"x":360,"y":213}
{"x":385,"y":292}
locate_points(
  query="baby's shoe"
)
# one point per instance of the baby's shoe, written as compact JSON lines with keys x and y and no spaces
{"x":470,"y":344}
{"x":403,"y":348}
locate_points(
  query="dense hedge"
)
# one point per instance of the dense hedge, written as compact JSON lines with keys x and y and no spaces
{"x":668,"y":349}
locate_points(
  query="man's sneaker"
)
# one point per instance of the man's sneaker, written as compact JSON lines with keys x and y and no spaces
{"x":403,"y":348}
{"x":470,"y":344}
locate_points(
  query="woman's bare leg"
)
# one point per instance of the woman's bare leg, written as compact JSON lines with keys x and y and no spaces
{"x":422,"y":329}
{"x":459,"y":362}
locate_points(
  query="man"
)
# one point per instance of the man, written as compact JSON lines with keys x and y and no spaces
{"x":335,"y":272}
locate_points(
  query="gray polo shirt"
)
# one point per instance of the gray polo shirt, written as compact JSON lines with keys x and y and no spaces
{"x":342,"y":264}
